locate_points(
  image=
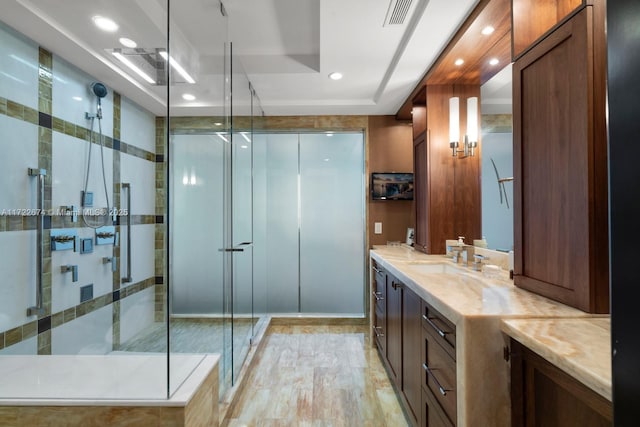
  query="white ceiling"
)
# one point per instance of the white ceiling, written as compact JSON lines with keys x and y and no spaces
{"x":286,"y":47}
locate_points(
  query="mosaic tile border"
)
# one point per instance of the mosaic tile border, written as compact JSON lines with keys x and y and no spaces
{"x":49,"y":322}
{"x":44,"y":120}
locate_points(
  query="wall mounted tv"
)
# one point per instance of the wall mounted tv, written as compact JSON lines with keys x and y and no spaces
{"x":391,"y":186}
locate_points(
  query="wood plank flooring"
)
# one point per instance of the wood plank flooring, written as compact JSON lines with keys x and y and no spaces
{"x":317,"y":376}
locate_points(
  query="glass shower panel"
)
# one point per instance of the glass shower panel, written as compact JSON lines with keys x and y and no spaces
{"x":197,"y":225}
{"x":241,"y":215}
{"x":199,"y":158}
{"x":277,"y":218}
{"x":332,"y":223}
{"x":80,"y":120}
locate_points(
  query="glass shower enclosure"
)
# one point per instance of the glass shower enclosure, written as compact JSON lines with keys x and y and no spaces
{"x":211,"y":227}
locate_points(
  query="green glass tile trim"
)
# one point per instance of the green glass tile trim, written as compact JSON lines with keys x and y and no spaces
{"x":160,"y":299}
{"x":13,"y":336}
{"x":45,"y":80}
{"x":30,"y":329}
{"x":132,"y":150}
{"x":116,"y":326}
{"x":44,"y":343}
{"x":117,"y":102}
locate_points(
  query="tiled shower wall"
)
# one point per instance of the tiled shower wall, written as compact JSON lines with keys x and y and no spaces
{"x":43,"y":100}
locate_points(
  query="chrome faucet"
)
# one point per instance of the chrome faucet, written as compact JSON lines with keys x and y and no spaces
{"x":477,"y":261}
{"x":462,"y":251}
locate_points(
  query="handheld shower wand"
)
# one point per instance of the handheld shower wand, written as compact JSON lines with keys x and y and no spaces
{"x":100,"y":91}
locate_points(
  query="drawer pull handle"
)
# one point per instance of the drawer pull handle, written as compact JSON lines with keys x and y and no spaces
{"x":434,"y":326}
{"x":377,"y":295}
{"x":375,"y":330}
{"x":431,"y":374}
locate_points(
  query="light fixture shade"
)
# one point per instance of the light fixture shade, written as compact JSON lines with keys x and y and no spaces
{"x":472,"y":119}
{"x":454,"y":119}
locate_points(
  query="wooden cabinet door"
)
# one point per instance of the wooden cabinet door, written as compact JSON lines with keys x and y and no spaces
{"x":394,"y":328}
{"x":411,"y":355}
{"x":545,"y":396}
{"x":559,"y":154}
{"x":420,"y":191}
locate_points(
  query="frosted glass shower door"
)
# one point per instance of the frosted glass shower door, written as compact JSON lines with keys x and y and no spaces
{"x":197,"y":225}
{"x":275,"y":169}
{"x":332,"y":223}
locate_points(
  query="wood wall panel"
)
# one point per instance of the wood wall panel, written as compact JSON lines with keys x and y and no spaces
{"x":390,"y":150}
{"x":440,"y":170}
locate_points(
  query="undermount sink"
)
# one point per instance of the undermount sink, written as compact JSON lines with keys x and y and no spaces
{"x":441,"y":268}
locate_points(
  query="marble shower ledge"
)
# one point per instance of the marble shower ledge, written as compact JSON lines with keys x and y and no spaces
{"x":580,"y":347}
{"x":476,"y":305}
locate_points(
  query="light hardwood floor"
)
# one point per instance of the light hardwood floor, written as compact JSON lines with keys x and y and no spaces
{"x":317,"y":376}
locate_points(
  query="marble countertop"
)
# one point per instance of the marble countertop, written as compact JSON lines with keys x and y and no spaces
{"x":463,"y":293}
{"x":580,"y":347}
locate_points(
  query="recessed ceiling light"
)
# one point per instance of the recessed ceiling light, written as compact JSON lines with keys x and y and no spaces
{"x":105,"y":24}
{"x":335,"y":76}
{"x":218,"y":124}
{"x":329,"y":133}
{"x":494,"y":61}
{"x":488,"y":30}
{"x":459,"y":61}
{"x":188,"y":97}
{"x":244,"y":146}
{"x":127,"y":42}
{"x":76,"y":98}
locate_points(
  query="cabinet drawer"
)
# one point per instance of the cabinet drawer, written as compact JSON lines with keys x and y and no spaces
{"x":439,"y":374}
{"x":432,"y":413}
{"x":442,"y":330}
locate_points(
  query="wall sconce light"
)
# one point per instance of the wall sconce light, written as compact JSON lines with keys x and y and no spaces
{"x":471,"y":138}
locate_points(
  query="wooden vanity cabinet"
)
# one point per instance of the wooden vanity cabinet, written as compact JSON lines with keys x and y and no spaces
{"x":560,"y":165}
{"x":544,"y":395}
{"x":416,"y":337}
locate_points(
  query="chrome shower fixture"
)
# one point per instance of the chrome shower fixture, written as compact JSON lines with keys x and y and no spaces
{"x":100,"y":91}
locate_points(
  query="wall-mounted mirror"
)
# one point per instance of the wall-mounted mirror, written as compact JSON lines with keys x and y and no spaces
{"x":497,"y":161}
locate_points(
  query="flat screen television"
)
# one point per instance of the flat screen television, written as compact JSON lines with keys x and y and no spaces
{"x":391,"y":186}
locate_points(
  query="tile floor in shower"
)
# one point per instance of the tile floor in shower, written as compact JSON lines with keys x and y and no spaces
{"x":198,"y":335}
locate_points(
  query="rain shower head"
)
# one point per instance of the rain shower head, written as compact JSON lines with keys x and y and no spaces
{"x":98,"y":89}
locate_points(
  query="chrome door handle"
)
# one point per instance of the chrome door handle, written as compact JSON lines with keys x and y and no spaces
{"x":441,"y":389}
{"x":434,"y":326}
{"x":377,"y":296}
{"x":376,"y":270}
{"x":375,"y":331}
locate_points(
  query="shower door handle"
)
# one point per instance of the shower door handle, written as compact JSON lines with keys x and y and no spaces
{"x":128,"y":278}
{"x":238,"y":248}
{"x":38,"y":309}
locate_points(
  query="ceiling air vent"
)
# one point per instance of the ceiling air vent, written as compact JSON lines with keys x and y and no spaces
{"x":397,"y":12}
